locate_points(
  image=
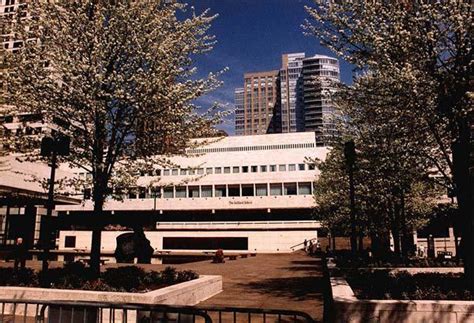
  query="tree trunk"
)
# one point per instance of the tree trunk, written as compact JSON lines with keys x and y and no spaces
{"x":361,"y":242}
{"x":352,"y":210}
{"x":407,"y":241}
{"x":97,"y":226}
{"x":396,"y":229}
{"x":381,"y":244}
{"x":464,"y":182}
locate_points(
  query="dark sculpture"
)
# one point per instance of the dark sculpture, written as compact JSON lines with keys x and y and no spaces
{"x":131,"y":245}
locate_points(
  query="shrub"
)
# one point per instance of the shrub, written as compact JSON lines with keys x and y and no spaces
{"x":152,"y":277}
{"x":168,"y":276}
{"x":186,"y":275}
{"x":100,"y":285}
{"x":77,"y":276}
{"x":23,"y":277}
{"x":128,"y":278}
{"x":382,"y":284}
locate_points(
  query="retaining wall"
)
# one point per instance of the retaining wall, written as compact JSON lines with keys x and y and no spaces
{"x":349,"y":309}
{"x":187,"y":293}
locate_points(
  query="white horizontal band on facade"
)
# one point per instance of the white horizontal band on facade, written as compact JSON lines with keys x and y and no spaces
{"x":250,"y":148}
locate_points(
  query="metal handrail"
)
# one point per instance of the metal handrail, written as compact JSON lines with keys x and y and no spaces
{"x":296,"y":315}
{"x":204,"y":312}
{"x":40,"y":314}
{"x":302,"y":243}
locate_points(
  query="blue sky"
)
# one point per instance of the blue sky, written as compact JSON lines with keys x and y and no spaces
{"x":251,"y":36}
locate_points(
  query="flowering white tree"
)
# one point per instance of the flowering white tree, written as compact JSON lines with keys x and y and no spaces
{"x":118,"y":78}
{"x":423,"y":49}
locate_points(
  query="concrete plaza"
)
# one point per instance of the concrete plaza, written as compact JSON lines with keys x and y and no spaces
{"x":277,"y":281}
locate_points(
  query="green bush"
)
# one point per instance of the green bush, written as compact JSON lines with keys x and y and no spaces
{"x":129,"y":278}
{"x":101,"y":286}
{"x":78,"y":276}
{"x":21,"y":277}
{"x":186,"y":275}
{"x":152,"y":277}
{"x":344,"y":259}
{"x":381,"y":284}
{"x":168,"y":276}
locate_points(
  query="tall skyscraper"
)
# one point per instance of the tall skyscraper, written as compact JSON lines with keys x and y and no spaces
{"x":291,"y":91}
{"x":239,"y":111}
{"x":294,"y":99}
{"x":256,"y":104}
{"x":319,"y":74}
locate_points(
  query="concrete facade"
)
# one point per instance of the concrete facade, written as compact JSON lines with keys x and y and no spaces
{"x":255,"y":189}
{"x":262,"y":237}
{"x":262,"y":182}
{"x":254,"y":171}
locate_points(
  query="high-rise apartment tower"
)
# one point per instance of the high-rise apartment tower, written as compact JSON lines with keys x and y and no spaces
{"x":294,"y":99}
{"x":319,"y":75}
{"x":256,"y":104}
{"x":291,"y":91}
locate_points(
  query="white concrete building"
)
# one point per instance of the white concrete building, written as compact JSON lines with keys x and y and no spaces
{"x":251,"y":193}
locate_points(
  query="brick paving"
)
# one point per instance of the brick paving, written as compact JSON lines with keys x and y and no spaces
{"x":278,"y":281}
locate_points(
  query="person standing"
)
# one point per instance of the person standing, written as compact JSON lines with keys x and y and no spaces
{"x":318,"y":246}
{"x":20,"y":253}
{"x":305,"y":243}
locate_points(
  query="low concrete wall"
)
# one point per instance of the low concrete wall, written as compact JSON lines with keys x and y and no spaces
{"x":187,"y":293}
{"x":424,"y":270}
{"x":349,"y":309}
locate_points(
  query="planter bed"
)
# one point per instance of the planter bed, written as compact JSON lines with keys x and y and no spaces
{"x":383,"y":284}
{"x":345,"y":260}
{"x":349,"y":308}
{"x":78,"y":276}
{"x":187,"y":293}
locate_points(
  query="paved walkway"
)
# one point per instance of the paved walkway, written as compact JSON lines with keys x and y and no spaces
{"x":279,"y":281}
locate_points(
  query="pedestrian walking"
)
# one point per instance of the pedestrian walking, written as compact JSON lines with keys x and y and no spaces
{"x":20,"y":252}
{"x":305,"y":243}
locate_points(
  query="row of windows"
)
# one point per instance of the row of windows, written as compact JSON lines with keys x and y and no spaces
{"x":237,"y":190}
{"x":222,"y":170}
{"x":250,"y":148}
{"x":232,"y":169}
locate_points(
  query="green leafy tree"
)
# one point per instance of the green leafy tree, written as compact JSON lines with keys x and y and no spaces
{"x":118,"y":78}
{"x":424,"y":49}
{"x":382,"y":204}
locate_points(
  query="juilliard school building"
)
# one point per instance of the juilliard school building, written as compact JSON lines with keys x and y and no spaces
{"x":241,"y":193}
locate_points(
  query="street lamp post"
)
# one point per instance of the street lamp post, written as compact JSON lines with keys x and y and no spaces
{"x":51,"y":147}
